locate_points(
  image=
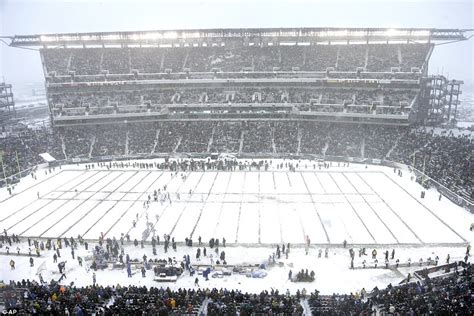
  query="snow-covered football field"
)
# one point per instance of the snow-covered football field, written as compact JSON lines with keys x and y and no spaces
{"x":364,"y":206}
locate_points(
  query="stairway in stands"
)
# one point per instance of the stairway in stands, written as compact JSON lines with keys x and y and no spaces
{"x":175,"y":149}
{"x":126,"y":142}
{"x":157,"y":137}
{"x":92,"y":146}
{"x":63,"y":147}
{"x":300,"y":137}
{"x":241,"y":142}
{"x":272,"y":129}
{"x":209,"y":145}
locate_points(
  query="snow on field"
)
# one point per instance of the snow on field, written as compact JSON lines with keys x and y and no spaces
{"x":361,"y":205}
{"x":228,"y":222}
{"x":427,"y":227}
{"x":248,"y":224}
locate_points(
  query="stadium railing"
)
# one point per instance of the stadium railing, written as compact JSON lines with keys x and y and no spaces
{"x":453,"y":197}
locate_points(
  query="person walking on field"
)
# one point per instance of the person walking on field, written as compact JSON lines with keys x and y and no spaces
{"x":129,"y":271}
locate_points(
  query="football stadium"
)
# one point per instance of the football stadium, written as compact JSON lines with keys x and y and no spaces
{"x":245,"y":171}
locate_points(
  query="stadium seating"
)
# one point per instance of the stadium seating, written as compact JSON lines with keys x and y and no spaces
{"x":226,"y":302}
{"x":340,"y":99}
{"x":445,"y":157}
{"x":447,"y":294}
{"x":372,"y":57}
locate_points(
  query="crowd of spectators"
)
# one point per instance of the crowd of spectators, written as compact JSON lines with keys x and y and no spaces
{"x":447,"y":294}
{"x":195,"y":137}
{"x":142,"y":140}
{"x":170,"y":136}
{"x":33,"y":298}
{"x":84,"y":64}
{"x":379,"y":141}
{"x":352,"y":57}
{"x":445,"y":157}
{"x":225,"y":302}
{"x":53,"y":298}
{"x":292,"y":58}
{"x":79,"y":141}
{"x":226,"y":137}
{"x":315,"y":99}
{"x":337,"y":304}
{"x":157,"y":301}
{"x":412,"y":56}
{"x":258,"y":137}
{"x":146,"y":59}
{"x":20,"y":150}
{"x":109,"y":140}
{"x":345,"y":142}
{"x":370,"y":57}
{"x":383,"y":56}
{"x":57,"y":60}
{"x":314,"y":137}
{"x":286,"y":136}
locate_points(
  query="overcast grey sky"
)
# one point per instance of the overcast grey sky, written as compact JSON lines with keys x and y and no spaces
{"x":55,"y":16}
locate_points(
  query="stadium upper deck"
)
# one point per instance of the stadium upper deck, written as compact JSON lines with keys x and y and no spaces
{"x":352,"y":75}
{"x":406,"y":58}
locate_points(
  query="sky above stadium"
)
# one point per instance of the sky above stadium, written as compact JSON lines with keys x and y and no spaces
{"x":20,"y":66}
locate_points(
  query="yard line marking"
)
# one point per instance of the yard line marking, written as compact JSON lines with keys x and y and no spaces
{"x":426,"y":208}
{"x":315,"y":208}
{"x":222,"y":204}
{"x":352,"y":207}
{"x":185,"y":205}
{"x":77,"y":206}
{"x":240,"y":208}
{"x":53,"y":190}
{"x":391,"y":209}
{"x":38,"y":183}
{"x":47,"y":205}
{"x":166,"y":207}
{"x":117,"y":201}
{"x":370,"y":206}
{"x":204,"y":204}
{"x":133,"y":204}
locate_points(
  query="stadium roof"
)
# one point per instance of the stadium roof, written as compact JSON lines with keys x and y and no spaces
{"x":263,"y":35}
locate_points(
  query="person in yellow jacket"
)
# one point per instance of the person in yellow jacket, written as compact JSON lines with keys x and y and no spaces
{"x":54,"y":297}
{"x":173,"y":303}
